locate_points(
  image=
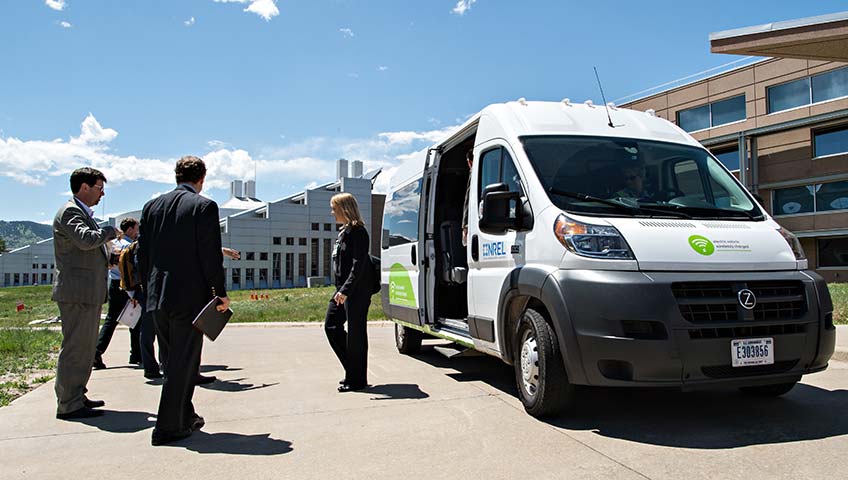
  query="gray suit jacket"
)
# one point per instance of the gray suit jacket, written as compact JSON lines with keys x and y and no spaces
{"x":82,"y":259}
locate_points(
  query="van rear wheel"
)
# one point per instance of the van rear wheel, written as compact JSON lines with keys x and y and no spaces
{"x":543,"y":385}
{"x":775,"y":390}
{"x":407,"y":340}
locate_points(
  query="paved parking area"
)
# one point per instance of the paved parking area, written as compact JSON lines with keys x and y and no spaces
{"x":275,"y":413}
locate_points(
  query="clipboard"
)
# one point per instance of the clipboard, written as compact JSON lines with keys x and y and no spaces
{"x":130,"y":314}
{"x":210,"y":321}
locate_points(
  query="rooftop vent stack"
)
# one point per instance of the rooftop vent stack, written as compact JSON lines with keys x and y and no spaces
{"x":250,"y":189}
{"x":356,"y":169}
{"x":236,"y":189}
{"x":341,"y":168}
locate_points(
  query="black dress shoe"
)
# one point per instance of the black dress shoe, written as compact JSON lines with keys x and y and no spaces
{"x":203,"y":380}
{"x":152,"y":375}
{"x":93,"y":403}
{"x":197,"y":423}
{"x":83,"y":412}
{"x":98,"y":364}
{"x":160,"y":438}
{"x":342,"y":381}
{"x":346,"y":387}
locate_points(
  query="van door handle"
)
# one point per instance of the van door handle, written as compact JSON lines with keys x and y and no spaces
{"x":414,"y":256}
{"x":475,"y":248}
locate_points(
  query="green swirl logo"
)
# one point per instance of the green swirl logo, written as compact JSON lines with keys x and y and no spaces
{"x":701,"y":245}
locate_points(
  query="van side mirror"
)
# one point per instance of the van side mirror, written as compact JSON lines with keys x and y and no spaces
{"x":502,"y":209}
{"x":384,"y":241}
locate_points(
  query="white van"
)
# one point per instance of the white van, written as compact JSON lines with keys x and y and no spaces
{"x":611,"y":251}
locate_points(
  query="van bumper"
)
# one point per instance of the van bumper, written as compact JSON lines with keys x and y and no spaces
{"x":675,"y":329}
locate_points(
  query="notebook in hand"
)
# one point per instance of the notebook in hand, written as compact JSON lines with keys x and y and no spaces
{"x":130,"y":314}
{"x":210,"y":321}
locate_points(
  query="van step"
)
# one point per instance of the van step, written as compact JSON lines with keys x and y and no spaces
{"x":456,"y":351}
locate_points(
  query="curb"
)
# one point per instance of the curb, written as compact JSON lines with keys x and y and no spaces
{"x":840,"y":355}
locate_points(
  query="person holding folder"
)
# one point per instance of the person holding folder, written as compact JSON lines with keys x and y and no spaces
{"x":352,"y":270}
{"x":181,"y":264}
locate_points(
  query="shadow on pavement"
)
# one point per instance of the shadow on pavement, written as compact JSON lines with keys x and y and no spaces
{"x":218,"y":368}
{"x":708,"y":419}
{"x":396,"y":391}
{"x":120,"y":422}
{"x":234,"y":385}
{"x":235,"y":444}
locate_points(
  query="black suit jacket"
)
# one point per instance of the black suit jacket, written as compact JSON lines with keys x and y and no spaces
{"x":352,"y":264}
{"x":179,"y":251}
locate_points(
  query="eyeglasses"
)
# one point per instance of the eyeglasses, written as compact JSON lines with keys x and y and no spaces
{"x":101,"y":187}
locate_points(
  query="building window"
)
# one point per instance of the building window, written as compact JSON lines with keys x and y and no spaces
{"x":315,"y":227}
{"x":44,"y":266}
{"x":804,"y":91}
{"x":328,"y":255}
{"x":289,"y":240}
{"x":713,"y":114}
{"x":289,"y":270}
{"x":52,"y":266}
{"x":328,"y":227}
{"x":830,"y":142}
{"x":729,"y":157}
{"x":315,"y":253}
{"x":833,"y":252}
{"x":44,"y":279}
{"x":236,"y":278}
{"x":263,"y":256}
{"x":249,"y":277}
{"x":7,"y":279}
{"x":278,"y":240}
{"x":35,"y":266}
{"x":249,"y":256}
{"x":790,"y":201}
{"x":276,"y":271}
{"x":301,"y":269}
{"x":831,"y":196}
{"x":17,"y":277}
{"x":26,"y":279}
{"x":301,"y":242}
{"x":263,"y":278}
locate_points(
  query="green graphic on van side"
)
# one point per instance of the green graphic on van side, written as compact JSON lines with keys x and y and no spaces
{"x":400,"y":287}
{"x":701,"y":245}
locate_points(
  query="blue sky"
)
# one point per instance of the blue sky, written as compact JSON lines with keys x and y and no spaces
{"x":286,"y":87}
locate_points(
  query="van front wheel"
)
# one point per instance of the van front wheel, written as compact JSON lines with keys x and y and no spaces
{"x":407,"y":340}
{"x":543,"y":385}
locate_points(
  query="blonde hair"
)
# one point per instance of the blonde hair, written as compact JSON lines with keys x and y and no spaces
{"x":345,"y":204}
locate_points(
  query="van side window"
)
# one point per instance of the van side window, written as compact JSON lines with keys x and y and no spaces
{"x":496,"y":166}
{"x":401,"y":215}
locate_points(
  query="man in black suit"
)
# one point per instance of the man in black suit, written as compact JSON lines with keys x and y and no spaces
{"x":181,"y":263}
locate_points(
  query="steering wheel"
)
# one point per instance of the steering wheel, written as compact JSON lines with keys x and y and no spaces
{"x":668,"y":194}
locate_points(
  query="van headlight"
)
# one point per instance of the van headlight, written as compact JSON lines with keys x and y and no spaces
{"x":793,"y":242}
{"x":597,"y":241}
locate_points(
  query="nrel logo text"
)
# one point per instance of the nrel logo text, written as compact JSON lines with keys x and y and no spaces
{"x":494,"y":249}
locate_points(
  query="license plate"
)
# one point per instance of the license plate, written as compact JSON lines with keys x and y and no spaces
{"x":752,"y":351}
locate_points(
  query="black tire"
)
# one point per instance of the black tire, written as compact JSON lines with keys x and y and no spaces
{"x":407,"y":340}
{"x":546,"y":391}
{"x":775,"y":390}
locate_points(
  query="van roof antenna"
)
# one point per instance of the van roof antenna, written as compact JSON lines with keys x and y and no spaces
{"x":603,"y":97}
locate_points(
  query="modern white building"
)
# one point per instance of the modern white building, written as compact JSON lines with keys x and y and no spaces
{"x":285,"y":243}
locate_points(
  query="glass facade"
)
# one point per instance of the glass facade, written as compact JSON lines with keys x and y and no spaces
{"x":791,"y":201}
{"x":833,"y":252}
{"x":814,"y":89}
{"x":831,"y":142}
{"x":713,"y":114}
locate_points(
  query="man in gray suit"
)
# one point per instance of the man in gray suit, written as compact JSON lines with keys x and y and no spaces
{"x":82,"y":262}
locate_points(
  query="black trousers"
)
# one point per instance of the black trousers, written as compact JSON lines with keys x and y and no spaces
{"x":147,"y":336}
{"x":117,"y":300}
{"x":183,"y":343}
{"x":351,"y":347}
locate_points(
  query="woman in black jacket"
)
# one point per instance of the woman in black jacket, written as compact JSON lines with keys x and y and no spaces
{"x":352,"y":269}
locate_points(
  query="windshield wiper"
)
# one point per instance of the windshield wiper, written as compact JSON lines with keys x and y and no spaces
{"x":620,"y":206}
{"x":716,"y":212}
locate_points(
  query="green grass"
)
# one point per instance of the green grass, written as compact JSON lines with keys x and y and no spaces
{"x":290,"y":305}
{"x":23,"y":351}
{"x":37,"y":302}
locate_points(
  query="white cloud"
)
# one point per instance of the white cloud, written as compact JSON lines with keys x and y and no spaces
{"x":189,"y":22}
{"x":311,"y":161}
{"x":382,"y":68}
{"x":266,"y":9}
{"x":55,"y":4}
{"x":463,"y":6}
{"x":65,"y":24}
{"x":348,"y":33}
{"x":353,"y":75}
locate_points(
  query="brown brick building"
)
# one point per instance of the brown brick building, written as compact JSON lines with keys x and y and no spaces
{"x":782,"y":125}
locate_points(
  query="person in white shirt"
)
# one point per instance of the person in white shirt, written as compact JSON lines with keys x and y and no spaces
{"x":118,"y":299}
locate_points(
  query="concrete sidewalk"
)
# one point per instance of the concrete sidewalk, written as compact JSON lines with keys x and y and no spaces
{"x":841,"y":352}
{"x":275,"y":413}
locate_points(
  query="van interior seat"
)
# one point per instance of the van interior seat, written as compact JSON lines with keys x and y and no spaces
{"x":454,"y":264}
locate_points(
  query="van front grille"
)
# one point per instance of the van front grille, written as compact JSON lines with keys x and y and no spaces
{"x":729,"y":371}
{"x":747,"y":331}
{"x":718,"y":302}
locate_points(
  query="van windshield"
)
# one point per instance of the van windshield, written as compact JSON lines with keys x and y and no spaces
{"x":641,"y":178}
